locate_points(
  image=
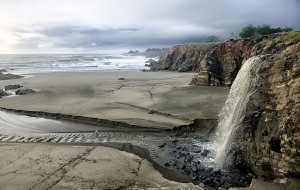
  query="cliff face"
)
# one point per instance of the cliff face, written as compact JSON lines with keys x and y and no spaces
{"x":269,"y":139}
{"x":223,"y":63}
{"x":218,"y":64}
{"x":183,"y":58}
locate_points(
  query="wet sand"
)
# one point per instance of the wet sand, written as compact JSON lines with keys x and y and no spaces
{"x":145,"y":99}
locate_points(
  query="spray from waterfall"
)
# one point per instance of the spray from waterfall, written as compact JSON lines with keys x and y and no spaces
{"x":230,"y":118}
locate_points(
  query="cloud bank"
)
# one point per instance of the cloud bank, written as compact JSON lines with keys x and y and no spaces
{"x":72,"y":26}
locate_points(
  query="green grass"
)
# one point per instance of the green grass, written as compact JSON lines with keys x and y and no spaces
{"x":292,"y":35}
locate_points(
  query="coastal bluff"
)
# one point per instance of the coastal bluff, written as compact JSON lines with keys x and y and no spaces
{"x":217,"y":64}
{"x":267,"y":141}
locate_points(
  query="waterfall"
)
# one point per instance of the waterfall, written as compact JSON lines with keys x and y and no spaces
{"x":230,"y":117}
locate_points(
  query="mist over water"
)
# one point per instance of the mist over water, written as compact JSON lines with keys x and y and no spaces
{"x":26,"y":64}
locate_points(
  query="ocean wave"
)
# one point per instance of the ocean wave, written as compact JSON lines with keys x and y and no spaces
{"x":65,"y":63}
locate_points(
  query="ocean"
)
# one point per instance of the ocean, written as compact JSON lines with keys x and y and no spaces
{"x":27,"y":64}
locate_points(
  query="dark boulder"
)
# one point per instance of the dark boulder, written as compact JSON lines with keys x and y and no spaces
{"x":3,"y":93}
{"x":12,"y":87}
{"x":24,"y":91}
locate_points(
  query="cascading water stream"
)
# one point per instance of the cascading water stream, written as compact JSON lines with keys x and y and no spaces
{"x":233,"y":111}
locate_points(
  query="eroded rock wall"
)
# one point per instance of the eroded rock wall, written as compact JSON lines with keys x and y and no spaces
{"x":268,"y":140}
{"x":222,"y":64}
{"x":183,"y":58}
{"x":218,"y":64}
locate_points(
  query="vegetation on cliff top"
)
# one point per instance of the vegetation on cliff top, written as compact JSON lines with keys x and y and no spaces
{"x":265,"y":29}
{"x":212,"y":39}
{"x":294,"y":35}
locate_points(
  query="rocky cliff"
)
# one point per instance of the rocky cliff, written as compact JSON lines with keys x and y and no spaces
{"x":183,"y":58}
{"x":218,"y":64}
{"x":269,"y":139}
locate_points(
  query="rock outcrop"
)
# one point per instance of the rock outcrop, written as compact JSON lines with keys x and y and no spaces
{"x":24,"y":91}
{"x":12,"y":87}
{"x":183,"y":58}
{"x":222,"y":64}
{"x":3,"y":93}
{"x":218,"y":64}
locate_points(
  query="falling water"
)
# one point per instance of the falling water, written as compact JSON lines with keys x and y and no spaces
{"x":229,"y":120}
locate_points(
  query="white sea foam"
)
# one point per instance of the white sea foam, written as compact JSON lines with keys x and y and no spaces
{"x":26,"y":64}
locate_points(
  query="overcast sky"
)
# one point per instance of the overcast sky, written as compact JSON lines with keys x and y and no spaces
{"x":88,"y":26}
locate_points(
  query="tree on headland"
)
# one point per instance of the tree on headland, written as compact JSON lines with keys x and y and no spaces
{"x":264,"y":29}
{"x":212,"y":39}
{"x":248,"y":31}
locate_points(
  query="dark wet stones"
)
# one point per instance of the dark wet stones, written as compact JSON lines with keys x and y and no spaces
{"x":196,"y":149}
{"x":24,"y":91}
{"x":151,"y":112}
{"x":12,"y":87}
{"x":162,"y":145}
{"x":205,"y":152}
{"x":3,"y":93}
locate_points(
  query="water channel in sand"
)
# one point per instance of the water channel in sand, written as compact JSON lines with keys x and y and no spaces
{"x":186,"y":150}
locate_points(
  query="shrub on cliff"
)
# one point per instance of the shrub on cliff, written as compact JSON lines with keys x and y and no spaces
{"x":264,"y":29}
{"x":248,"y":31}
{"x":212,"y":39}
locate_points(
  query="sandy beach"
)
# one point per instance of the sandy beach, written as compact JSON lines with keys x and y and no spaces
{"x":41,"y":166}
{"x":145,"y":99}
{"x":149,"y":100}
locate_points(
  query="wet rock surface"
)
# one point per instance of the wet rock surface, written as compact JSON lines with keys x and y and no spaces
{"x":12,"y":87}
{"x":222,"y":64}
{"x":183,"y":58}
{"x":25,"y":91}
{"x":8,"y":76}
{"x":218,"y":64}
{"x":3,"y":93}
{"x":268,"y":140}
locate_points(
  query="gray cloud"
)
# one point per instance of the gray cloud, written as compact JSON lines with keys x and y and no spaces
{"x":96,"y":24}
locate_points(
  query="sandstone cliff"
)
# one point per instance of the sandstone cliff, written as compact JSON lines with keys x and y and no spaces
{"x":183,"y":58}
{"x":269,"y":139}
{"x":218,"y":64}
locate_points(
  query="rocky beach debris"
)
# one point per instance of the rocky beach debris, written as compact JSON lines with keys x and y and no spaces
{"x":7,"y":76}
{"x":12,"y":87}
{"x":24,"y":91}
{"x":3,"y":93}
{"x":15,"y":89}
